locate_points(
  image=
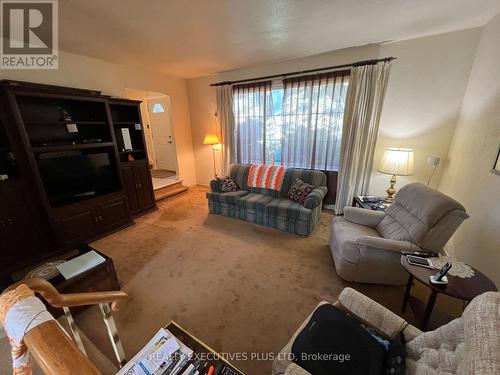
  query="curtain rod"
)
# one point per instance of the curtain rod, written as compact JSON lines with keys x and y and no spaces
{"x":358,"y":63}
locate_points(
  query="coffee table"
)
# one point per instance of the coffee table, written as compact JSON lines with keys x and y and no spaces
{"x":464,"y":289}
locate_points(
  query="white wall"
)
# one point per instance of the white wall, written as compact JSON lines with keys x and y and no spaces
{"x":85,"y":72}
{"x":425,"y":90}
{"x":466,"y":176}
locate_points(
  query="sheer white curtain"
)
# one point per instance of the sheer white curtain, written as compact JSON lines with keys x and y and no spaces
{"x":225,"y":118}
{"x":296,"y":123}
{"x":313,"y":110}
{"x":252,"y":108}
{"x":365,"y":98}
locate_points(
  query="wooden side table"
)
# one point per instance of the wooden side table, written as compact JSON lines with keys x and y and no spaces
{"x":358,"y":201}
{"x":462,"y":288}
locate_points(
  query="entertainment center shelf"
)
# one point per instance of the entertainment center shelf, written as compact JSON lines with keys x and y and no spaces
{"x":73,"y":162}
{"x":82,"y":146}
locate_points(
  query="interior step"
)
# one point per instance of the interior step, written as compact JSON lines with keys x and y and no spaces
{"x":169,"y":190}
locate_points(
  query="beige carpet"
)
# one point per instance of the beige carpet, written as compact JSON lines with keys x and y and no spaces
{"x":240,"y":288}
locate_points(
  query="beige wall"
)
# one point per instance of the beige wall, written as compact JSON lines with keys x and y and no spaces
{"x":425,"y":90}
{"x":423,"y":99}
{"x":113,"y":79}
{"x":466,"y":176}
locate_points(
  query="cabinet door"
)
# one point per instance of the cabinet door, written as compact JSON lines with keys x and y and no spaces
{"x":131,"y":188}
{"x":77,"y":227}
{"x":112,"y":214}
{"x":145,"y":192}
{"x":22,"y":233}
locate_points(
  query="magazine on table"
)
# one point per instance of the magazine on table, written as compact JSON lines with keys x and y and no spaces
{"x":164,"y":354}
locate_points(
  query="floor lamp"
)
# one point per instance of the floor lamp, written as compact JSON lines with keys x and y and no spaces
{"x":212,"y":140}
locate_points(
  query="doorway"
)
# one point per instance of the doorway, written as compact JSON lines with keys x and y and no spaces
{"x":156,"y":114}
{"x":160,"y":123}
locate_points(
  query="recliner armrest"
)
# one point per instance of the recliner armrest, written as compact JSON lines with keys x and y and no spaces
{"x":315,"y":197}
{"x":386,"y":244}
{"x":372,"y":313}
{"x":361,"y":216}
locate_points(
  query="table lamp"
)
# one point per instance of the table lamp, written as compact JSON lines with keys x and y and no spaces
{"x":212,"y":140}
{"x":396,"y":162}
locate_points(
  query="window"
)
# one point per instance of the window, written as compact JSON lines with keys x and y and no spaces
{"x":296,"y":122}
{"x":158,"y":108}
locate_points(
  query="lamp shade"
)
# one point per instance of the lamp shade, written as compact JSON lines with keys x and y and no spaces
{"x":397,"y":161}
{"x":211,"y":139}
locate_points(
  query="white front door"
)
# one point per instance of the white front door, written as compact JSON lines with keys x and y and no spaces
{"x":162,"y":132}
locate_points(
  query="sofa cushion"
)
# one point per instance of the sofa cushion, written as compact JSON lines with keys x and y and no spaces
{"x":390,"y":227}
{"x":310,"y":176}
{"x":288,"y":209}
{"x":254,"y":201}
{"x":428,"y":205}
{"x":416,"y":209}
{"x":344,"y":235}
{"x":226,"y":197}
{"x":239,"y":173}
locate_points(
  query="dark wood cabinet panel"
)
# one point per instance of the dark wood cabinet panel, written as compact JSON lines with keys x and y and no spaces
{"x":78,"y":227}
{"x":23,"y":233}
{"x":130,"y":187}
{"x":112,"y":214}
{"x":89,"y":221}
{"x":138,"y":186}
{"x":145,"y":191}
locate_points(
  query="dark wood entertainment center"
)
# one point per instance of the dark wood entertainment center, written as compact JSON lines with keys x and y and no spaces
{"x":66,"y":175}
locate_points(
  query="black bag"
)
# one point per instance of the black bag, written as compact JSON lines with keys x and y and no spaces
{"x":333,"y":343}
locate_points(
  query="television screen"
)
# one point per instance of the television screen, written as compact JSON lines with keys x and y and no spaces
{"x":72,"y":176}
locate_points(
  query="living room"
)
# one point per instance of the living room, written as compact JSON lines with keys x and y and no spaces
{"x":238,"y":263}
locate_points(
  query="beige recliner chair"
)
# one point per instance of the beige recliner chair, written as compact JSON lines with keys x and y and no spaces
{"x":467,"y":345}
{"x":366,"y":245}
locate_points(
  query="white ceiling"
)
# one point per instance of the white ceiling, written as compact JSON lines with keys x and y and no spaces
{"x":191,"y":38}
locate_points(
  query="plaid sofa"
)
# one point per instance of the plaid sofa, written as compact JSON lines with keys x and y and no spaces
{"x":270,"y":207}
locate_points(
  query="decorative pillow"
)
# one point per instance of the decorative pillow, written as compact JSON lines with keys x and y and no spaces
{"x":227,"y":184}
{"x":299,"y":191}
